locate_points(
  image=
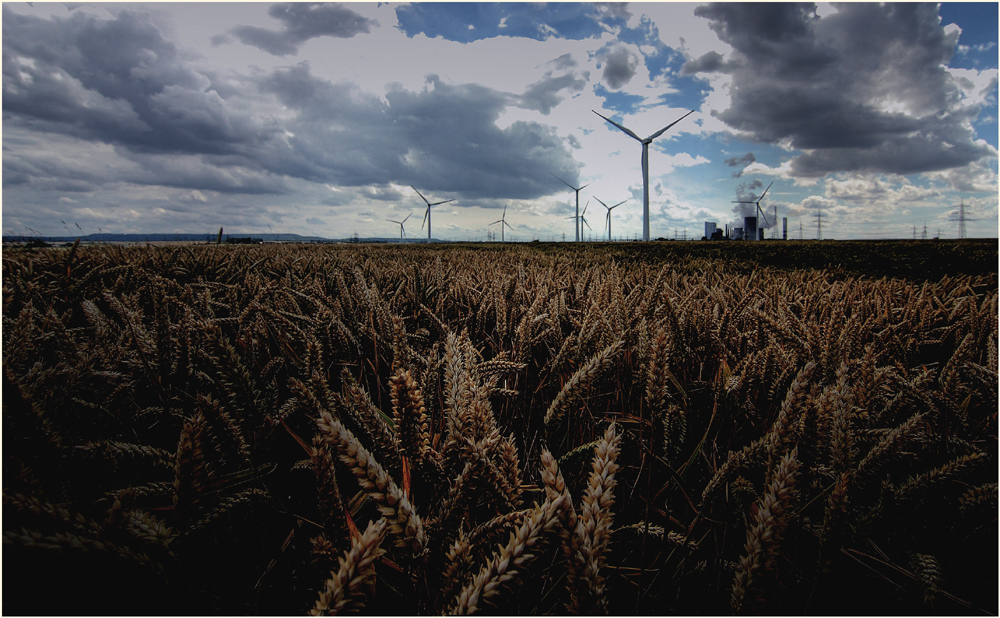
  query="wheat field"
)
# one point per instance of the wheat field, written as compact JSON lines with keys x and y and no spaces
{"x":427,"y":430}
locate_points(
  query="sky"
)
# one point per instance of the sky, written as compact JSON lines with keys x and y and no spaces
{"x":875,"y":121}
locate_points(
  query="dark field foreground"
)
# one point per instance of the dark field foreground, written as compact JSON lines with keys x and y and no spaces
{"x":661,"y":428}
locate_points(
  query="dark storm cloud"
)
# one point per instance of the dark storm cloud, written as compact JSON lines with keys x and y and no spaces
{"x":619,"y":67}
{"x":303,"y":21}
{"x":131,"y":98}
{"x":864,"y":88}
{"x":442,"y":138}
{"x":710,"y":62}
{"x":543,"y":95}
{"x":117,"y":81}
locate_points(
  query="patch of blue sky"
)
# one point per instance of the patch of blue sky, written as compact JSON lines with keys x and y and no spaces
{"x":621,"y":103}
{"x":986,"y":126}
{"x":686,"y":92}
{"x":978,"y":41}
{"x":467,"y":21}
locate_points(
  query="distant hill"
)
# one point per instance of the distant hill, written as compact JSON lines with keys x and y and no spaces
{"x":206,"y":238}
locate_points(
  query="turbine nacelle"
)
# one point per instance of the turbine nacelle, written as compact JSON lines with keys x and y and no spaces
{"x":427,"y":212}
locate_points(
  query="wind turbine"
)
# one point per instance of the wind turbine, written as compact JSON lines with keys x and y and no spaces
{"x":583,"y":218}
{"x":577,"y":222}
{"x":402,"y":232}
{"x":645,"y":165}
{"x":759,"y":212}
{"x":502,"y":221}
{"x":608,"y":219}
{"x":427,"y":213}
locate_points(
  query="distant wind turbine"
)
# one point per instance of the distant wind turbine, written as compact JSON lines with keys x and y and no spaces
{"x":427,"y":213}
{"x":577,"y":218}
{"x":759,"y":212}
{"x":502,"y":221}
{"x":402,"y":232}
{"x":583,"y":218}
{"x":607,"y":221}
{"x":645,"y":165}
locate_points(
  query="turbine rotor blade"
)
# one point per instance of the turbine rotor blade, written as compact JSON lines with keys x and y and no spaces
{"x":426,"y":212}
{"x":436,"y":203}
{"x":599,"y":200}
{"x":565,"y":183}
{"x":618,"y":204}
{"x":420,"y":194}
{"x":660,"y":132}
{"x":627,"y":131}
{"x":407,"y":217}
{"x":764,"y":193}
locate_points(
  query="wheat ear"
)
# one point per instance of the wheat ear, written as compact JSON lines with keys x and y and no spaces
{"x":764,"y":533}
{"x":411,"y":417}
{"x":579,"y":382}
{"x":404,"y":522}
{"x":512,"y":558}
{"x":342,"y":591}
{"x":594,"y":526}
{"x":190,"y":471}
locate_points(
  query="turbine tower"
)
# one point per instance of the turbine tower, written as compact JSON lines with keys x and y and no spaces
{"x":759,"y":212}
{"x":502,"y":221}
{"x":427,"y":213}
{"x":645,"y":165}
{"x":607,"y":220}
{"x":402,"y":232}
{"x":576,"y":224}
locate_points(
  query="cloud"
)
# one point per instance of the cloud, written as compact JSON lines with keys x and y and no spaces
{"x":301,"y":22}
{"x":620,"y":66}
{"x":862,"y":88}
{"x":543,"y":95}
{"x":118,"y":81}
{"x":173,"y":126}
{"x":443,"y":137}
{"x":710,"y":62}
{"x":741,"y":162}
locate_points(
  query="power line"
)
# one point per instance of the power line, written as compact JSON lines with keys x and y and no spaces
{"x":961,"y":220}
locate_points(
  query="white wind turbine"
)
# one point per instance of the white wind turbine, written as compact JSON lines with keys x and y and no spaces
{"x":583,"y":219}
{"x":427,"y":213}
{"x":502,"y":221}
{"x":402,"y":232}
{"x":577,"y":217}
{"x":759,"y":212}
{"x":607,"y":221}
{"x":645,"y":165}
